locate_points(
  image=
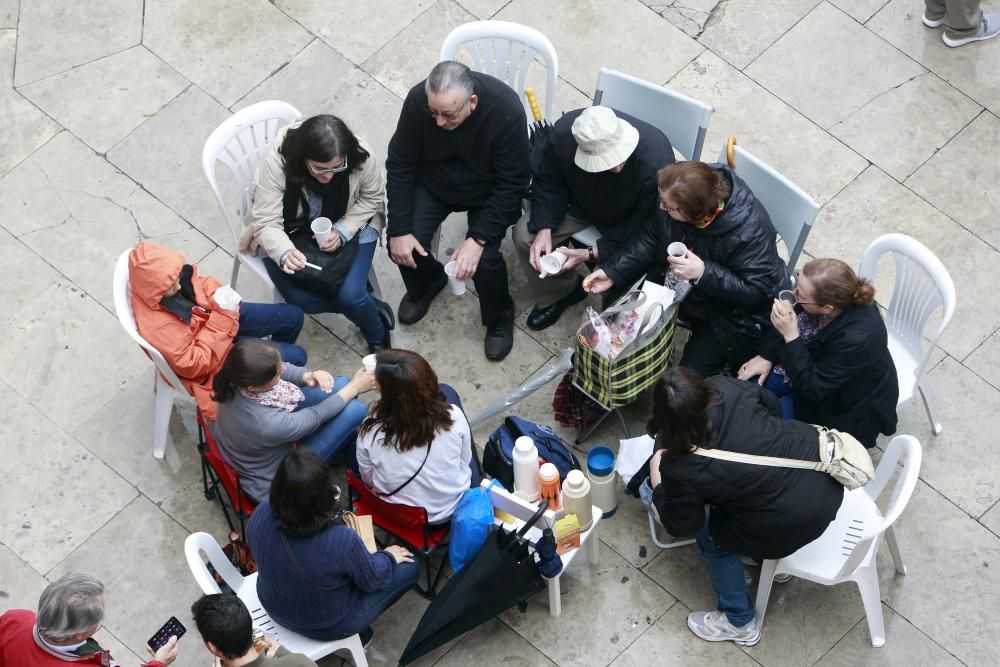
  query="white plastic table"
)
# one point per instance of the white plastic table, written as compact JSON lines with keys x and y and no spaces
{"x":522,"y":511}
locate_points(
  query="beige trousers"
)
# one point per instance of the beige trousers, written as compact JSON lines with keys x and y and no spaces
{"x":961,"y":17}
{"x":546,"y":291}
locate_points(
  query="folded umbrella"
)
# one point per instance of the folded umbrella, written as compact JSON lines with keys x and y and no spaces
{"x":501,"y":574}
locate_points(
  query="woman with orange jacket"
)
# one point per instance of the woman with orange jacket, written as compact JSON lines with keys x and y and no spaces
{"x":176,"y":311}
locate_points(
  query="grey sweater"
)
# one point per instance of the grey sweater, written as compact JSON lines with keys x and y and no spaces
{"x":254,"y":438}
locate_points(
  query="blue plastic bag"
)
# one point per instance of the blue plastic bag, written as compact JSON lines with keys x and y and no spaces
{"x":470,"y":524}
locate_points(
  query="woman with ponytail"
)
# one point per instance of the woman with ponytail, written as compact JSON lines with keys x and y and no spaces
{"x":829,"y":357}
{"x":267,"y":406}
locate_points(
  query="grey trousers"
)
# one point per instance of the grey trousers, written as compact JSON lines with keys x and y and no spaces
{"x":961,"y":17}
{"x":546,"y":291}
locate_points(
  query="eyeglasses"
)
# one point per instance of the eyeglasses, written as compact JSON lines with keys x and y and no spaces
{"x":798,"y":297}
{"x":316,"y":171}
{"x":447,"y":115}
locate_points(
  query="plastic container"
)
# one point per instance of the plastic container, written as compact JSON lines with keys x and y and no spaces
{"x":526,"y":468}
{"x":548,"y":480}
{"x":602,"y":476}
{"x":576,"y":498}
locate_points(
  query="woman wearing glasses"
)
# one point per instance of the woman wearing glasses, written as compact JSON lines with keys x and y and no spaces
{"x":315,"y":169}
{"x":827,"y":357}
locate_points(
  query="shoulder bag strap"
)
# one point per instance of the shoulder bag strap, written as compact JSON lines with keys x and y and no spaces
{"x":412,"y":477}
{"x":298,"y":568}
{"x":753,"y":459}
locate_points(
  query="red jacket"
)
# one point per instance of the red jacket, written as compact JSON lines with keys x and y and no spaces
{"x":195,"y":351}
{"x":20,"y":646}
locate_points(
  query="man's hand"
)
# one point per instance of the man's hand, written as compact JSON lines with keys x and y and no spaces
{"x":542,"y":245}
{"x":332,"y":242}
{"x":295,"y":261}
{"x":654,"y":468}
{"x":166,"y":653}
{"x":466,"y":258}
{"x":401,"y":249}
{"x":272,"y":646}
{"x":598,"y":282}
{"x":574,"y":258}
{"x":688,"y":267}
{"x":758,"y":367}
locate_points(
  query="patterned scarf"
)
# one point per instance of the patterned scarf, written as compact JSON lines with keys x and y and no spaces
{"x":809,"y":326}
{"x":284,"y":396}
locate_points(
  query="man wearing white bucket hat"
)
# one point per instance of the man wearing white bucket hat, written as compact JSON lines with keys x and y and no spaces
{"x":597,"y":168}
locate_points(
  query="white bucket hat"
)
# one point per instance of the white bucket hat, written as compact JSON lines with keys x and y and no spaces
{"x":603,"y":139}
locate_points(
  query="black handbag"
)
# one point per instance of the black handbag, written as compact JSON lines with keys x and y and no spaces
{"x":335,"y":265}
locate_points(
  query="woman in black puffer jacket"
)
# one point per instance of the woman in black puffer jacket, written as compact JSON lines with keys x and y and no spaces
{"x":756,"y":511}
{"x":732,"y":262}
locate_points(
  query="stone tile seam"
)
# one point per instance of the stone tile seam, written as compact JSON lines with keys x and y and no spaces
{"x":18,"y":556}
{"x":776,"y":40}
{"x":945,"y":144}
{"x":880,"y":8}
{"x":899,"y":85}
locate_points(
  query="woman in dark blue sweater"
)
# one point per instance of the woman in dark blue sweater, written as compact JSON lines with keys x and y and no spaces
{"x":315,"y":575}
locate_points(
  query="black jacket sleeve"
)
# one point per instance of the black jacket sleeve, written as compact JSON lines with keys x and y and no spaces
{"x":549,"y":190}
{"x":645,"y":252}
{"x":818,"y":376}
{"x":681,"y":510}
{"x":745,"y":281}
{"x":401,"y":167}
{"x":512,"y":174}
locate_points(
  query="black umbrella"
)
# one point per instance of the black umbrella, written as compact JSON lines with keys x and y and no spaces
{"x":500,"y":575}
{"x":539,"y":132}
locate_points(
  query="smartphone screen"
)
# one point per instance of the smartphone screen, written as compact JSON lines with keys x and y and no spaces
{"x":172,"y":628}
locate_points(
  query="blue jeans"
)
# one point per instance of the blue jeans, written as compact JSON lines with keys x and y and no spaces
{"x":281,"y":321}
{"x":404,"y":577}
{"x":726,"y":572}
{"x":776,"y":384}
{"x":351,"y":299}
{"x":451,"y":396}
{"x":335,"y":439}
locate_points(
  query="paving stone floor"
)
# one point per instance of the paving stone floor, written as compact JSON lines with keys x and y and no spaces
{"x":105,"y":108}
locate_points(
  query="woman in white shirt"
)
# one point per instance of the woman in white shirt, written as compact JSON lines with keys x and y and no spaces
{"x":415,"y":448}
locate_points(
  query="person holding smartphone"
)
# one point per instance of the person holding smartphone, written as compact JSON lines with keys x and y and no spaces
{"x":225,"y":626}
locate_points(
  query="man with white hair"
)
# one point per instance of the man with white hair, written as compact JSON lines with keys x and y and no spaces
{"x":597,"y":168}
{"x":461,"y":145}
{"x":70,"y":612}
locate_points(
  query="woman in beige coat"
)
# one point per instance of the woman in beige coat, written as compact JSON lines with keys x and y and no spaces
{"x":319,"y":168}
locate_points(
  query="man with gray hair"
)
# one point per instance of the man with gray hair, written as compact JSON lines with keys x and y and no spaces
{"x":461,"y":144}
{"x":70,"y":612}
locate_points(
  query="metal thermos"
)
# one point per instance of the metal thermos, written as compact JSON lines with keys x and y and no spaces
{"x":601,"y":473}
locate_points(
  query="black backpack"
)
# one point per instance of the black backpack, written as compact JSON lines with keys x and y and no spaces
{"x":498,"y":459}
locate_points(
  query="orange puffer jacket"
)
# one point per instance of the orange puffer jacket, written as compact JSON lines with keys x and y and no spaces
{"x":195,"y":351}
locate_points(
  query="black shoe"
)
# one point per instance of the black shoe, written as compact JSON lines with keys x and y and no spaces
{"x":385,"y":314}
{"x":500,"y":337}
{"x":367,"y":635}
{"x":542,"y":318}
{"x":412,"y":310}
{"x":383,"y":344}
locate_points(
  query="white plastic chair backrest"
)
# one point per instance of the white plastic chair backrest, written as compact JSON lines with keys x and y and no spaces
{"x":791,"y":210}
{"x":903,"y":449}
{"x":197,"y":544}
{"x":506,"y":50}
{"x":123,"y":308}
{"x":922,"y":285}
{"x":683,"y":119}
{"x":239,"y":143}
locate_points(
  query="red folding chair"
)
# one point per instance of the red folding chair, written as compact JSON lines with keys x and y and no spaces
{"x":215,"y":471}
{"x":406,"y":523}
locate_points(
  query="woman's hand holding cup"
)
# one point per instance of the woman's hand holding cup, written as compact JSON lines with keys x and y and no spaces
{"x":363,"y":380}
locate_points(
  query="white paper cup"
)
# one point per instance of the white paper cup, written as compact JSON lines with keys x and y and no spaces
{"x":788,"y":296}
{"x":676,"y":249}
{"x":551,"y":263}
{"x":457,"y":286}
{"x":369,"y":363}
{"x":322,"y":228}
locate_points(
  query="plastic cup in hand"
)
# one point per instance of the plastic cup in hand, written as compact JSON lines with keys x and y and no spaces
{"x":321,"y":229}
{"x":552,"y":263}
{"x":369,"y":363}
{"x":457,"y":286}
{"x":787,"y":296}
{"x":677,"y":249}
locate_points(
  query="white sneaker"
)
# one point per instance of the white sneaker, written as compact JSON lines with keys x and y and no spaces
{"x":989,"y":27}
{"x":714,"y":626}
{"x":930,"y":23}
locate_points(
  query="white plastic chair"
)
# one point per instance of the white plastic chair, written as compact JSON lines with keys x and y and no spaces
{"x":506,"y":50}
{"x":682,"y":119}
{"x":198,"y":544}
{"x":847,"y":550}
{"x":922,"y":286}
{"x":792,"y":211}
{"x":239,"y":143}
{"x":166,"y":385}
{"x":653,"y":522}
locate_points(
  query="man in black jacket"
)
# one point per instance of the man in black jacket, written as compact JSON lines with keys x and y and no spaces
{"x":597,"y":168}
{"x":461,"y":144}
{"x":732,"y":262}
